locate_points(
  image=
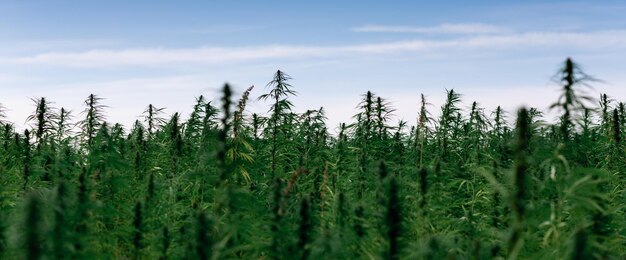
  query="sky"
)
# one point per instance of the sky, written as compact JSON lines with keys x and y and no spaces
{"x":165,"y":53}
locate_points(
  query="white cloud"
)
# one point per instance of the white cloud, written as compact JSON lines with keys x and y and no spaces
{"x":599,"y":40}
{"x":587,"y":40}
{"x":10,"y":47}
{"x":446,"y":28}
{"x":163,"y":56}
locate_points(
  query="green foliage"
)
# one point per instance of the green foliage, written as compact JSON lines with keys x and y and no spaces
{"x":224,"y":184}
{"x":94,"y":117}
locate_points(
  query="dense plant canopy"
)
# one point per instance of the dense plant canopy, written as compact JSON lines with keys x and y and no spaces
{"x":224,"y":183}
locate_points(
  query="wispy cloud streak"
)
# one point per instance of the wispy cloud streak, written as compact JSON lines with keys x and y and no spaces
{"x":446,"y":28}
{"x":599,"y":40}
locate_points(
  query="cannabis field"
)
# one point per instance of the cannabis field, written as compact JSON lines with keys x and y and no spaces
{"x":224,"y":183}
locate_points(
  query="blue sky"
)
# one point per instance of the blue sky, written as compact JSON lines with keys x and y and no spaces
{"x":165,"y":53}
